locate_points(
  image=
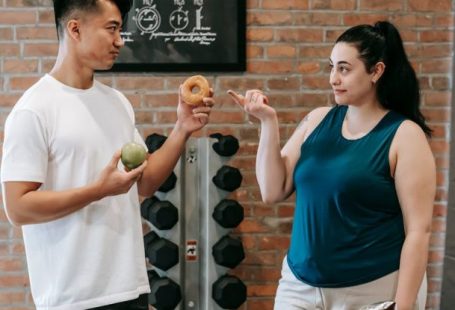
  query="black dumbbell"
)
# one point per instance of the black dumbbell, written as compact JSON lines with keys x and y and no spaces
{"x":154,"y":142}
{"x":226,"y":146}
{"x":228,"y":252}
{"x":169,"y":183}
{"x":228,"y":178}
{"x":165,"y":294}
{"x":162,"y":214}
{"x":161,"y":252}
{"x":229,"y":292}
{"x":228,"y":213}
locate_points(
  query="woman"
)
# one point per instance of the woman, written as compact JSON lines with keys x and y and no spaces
{"x":364,"y":177}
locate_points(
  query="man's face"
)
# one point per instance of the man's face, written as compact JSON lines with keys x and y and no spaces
{"x":100,"y":39}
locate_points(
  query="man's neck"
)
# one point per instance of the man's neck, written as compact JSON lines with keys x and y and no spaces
{"x":71,"y":74}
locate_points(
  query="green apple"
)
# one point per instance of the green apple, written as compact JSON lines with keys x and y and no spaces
{"x":133,"y":155}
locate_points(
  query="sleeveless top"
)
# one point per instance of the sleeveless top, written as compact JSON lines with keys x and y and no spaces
{"x":348,"y":227}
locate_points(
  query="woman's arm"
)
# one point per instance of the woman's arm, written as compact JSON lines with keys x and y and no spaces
{"x":415,"y":181}
{"x":275,"y":167}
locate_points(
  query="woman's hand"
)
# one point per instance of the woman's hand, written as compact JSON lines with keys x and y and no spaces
{"x":254,"y":103}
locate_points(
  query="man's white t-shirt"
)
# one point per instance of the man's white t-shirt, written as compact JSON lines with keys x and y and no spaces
{"x":63,"y":137}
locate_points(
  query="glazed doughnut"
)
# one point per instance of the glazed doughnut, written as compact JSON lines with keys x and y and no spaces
{"x":187,"y":89}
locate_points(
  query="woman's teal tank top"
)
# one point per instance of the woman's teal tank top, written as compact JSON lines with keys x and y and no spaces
{"x":348,"y":226}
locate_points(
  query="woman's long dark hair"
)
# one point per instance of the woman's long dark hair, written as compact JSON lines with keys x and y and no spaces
{"x":398,"y":87}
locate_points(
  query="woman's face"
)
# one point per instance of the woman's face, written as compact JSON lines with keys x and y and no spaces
{"x":350,"y":81}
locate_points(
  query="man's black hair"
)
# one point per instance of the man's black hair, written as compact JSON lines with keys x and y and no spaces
{"x":64,"y":8}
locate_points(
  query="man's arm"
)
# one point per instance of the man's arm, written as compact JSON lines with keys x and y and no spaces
{"x":161,"y":163}
{"x":25,"y":204}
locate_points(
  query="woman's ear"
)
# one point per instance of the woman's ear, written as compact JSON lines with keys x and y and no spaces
{"x":377,"y":72}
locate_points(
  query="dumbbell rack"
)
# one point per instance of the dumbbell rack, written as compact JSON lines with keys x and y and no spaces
{"x":196,"y":232}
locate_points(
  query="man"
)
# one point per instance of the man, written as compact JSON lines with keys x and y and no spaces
{"x":60,"y":177}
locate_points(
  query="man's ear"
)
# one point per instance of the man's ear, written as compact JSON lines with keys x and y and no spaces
{"x":73,"y":29}
{"x":377,"y":72}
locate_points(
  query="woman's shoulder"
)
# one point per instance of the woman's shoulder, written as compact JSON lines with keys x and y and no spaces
{"x":409,"y":136}
{"x":314,"y":118}
{"x":410,"y":130}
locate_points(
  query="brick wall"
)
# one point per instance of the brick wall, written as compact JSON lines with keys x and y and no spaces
{"x":289,"y":42}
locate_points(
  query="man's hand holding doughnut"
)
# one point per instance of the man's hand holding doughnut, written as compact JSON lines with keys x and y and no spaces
{"x":193,"y":115}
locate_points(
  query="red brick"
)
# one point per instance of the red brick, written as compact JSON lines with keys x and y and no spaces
{"x":270,"y":66}
{"x":254,"y":51}
{"x":36,"y":33}
{"x":252,"y":226}
{"x":363,"y":18}
{"x":381,"y":5}
{"x":230,"y":117}
{"x":435,"y":256}
{"x":40,"y":49}
{"x":316,"y":51}
{"x":299,"y":35}
{"x":259,"y":34}
{"x":6,"y":34}
{"x":439,"y":146}
{"x":443,"y":20}
{"x":17,"y":17}
{"x":7,"y":100}
{"x":316,"y":82}
{"x":273,"y":242}
{"x":413,"y":20}
{"x":28,"y":3}
{"x":263,"y":211}
{"x":139,"y":83}
{"x":13,"y":280}
{"x":46,"y":16}
{"x":285,"y":4}
{"x":286,"y":83}
{"x":332,"y":35}
{"x":437,"y":240}
{"x":160,"y":100}
{"x":262,"y":290}
{"x":441,"y":83}
{"x":261,"y":304}
{"x":441,"y":178}
{"x":134,"y":99}
{"x":440,"y":36}
{"x":334,"y":4}
{"x":435,"y":65}
{"x":9,"y":49}
{"x":281,"y":51}
{"x":240,"y":84}
{"x":143,"y":117}
{"x":248,"y":134}
{"x":23,"y":83}
{"x":11,"y":264}
{"x":438,"y":225}
{"x":10,"y":298}
{"x":252,"y":4}
{"x":269,"y":18}
{"x":430,"y":5}
{"x":437,"y":98}
{"x":260,"y":258}
{"x":20,"y":66}
{"x":326,"y":19}
{"x":436,"y":115}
